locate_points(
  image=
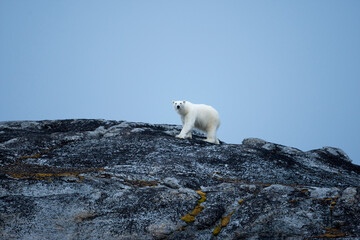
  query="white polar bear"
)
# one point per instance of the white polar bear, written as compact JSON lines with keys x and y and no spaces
{"x":200,"y":116}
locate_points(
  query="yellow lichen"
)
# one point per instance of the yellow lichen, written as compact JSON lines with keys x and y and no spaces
{"x":46,"y":176}
{"x":21,"y":170}
{"x":141,"y":183}
{"x":224,"y":222}
{"x":332,"y":233}
{"x":322,"y":199}
{"x":265,"y":184}
{"x":329,"y":229}
{"x":202,"y":194}
{"x":202,"y":199}
{"x":227,"y":219}
{"x":241,"y":201}
{"x":304,"y":190}
{"x":197,"y":210}
{"x":217,"y":230}
{"x":38,"y":155}
{"x":190,"y":217}
{"x":332,"y":204}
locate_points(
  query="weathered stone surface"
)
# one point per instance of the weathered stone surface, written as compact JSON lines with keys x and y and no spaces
{"x":97,"y":179}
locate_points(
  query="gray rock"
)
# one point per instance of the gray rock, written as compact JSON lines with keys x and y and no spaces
{"x":172,"y":182}
{"x":349,"y":196}
{"x":98,"y":179}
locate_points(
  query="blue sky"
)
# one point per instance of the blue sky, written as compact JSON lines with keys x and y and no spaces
{"x":284,"y":71}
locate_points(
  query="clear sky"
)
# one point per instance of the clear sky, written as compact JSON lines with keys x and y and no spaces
{"x":284,"y":71}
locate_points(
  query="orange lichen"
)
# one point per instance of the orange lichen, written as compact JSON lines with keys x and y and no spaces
{"x":265,"y":184}
{"x":141,"y":183}
{"x":332,"y":204}
{"x":21,"y":170}
{"x":202,"y":194}
{"x":322,"y":199}
{"x":224,"y":222}
{"x":46,"y":176}
{"x":332,"y":233}
{"x":190,"y":217}
{"x":197,"y":210}
{"x":331,"y":200}
{"x":217,"y":230}
{"x":38,"y":155}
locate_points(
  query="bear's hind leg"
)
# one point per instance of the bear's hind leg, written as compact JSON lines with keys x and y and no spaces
{"x":211,"y":136}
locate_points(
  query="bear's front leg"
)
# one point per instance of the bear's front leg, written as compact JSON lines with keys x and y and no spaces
{"x":189,"y":135}
{"x":186,"y":130}
{"x":184,"y":134}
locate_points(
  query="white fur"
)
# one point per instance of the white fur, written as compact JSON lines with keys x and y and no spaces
{"x":200,"y":116}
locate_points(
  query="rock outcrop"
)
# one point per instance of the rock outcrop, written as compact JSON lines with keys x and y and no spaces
{"x":97,"y":179}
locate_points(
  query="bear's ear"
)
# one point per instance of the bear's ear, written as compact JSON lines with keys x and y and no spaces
{"x":184,"y":102}
{"x":173,"y":102}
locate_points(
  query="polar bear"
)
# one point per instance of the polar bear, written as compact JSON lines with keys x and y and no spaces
{"x":200,"y":116}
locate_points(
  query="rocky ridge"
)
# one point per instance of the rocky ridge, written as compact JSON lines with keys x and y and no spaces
{"x":98,"y":179}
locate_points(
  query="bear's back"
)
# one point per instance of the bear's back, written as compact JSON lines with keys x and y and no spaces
{"x":206,"y":117}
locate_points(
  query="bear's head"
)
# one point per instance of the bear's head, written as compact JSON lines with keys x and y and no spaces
{"x":179,"y":106}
